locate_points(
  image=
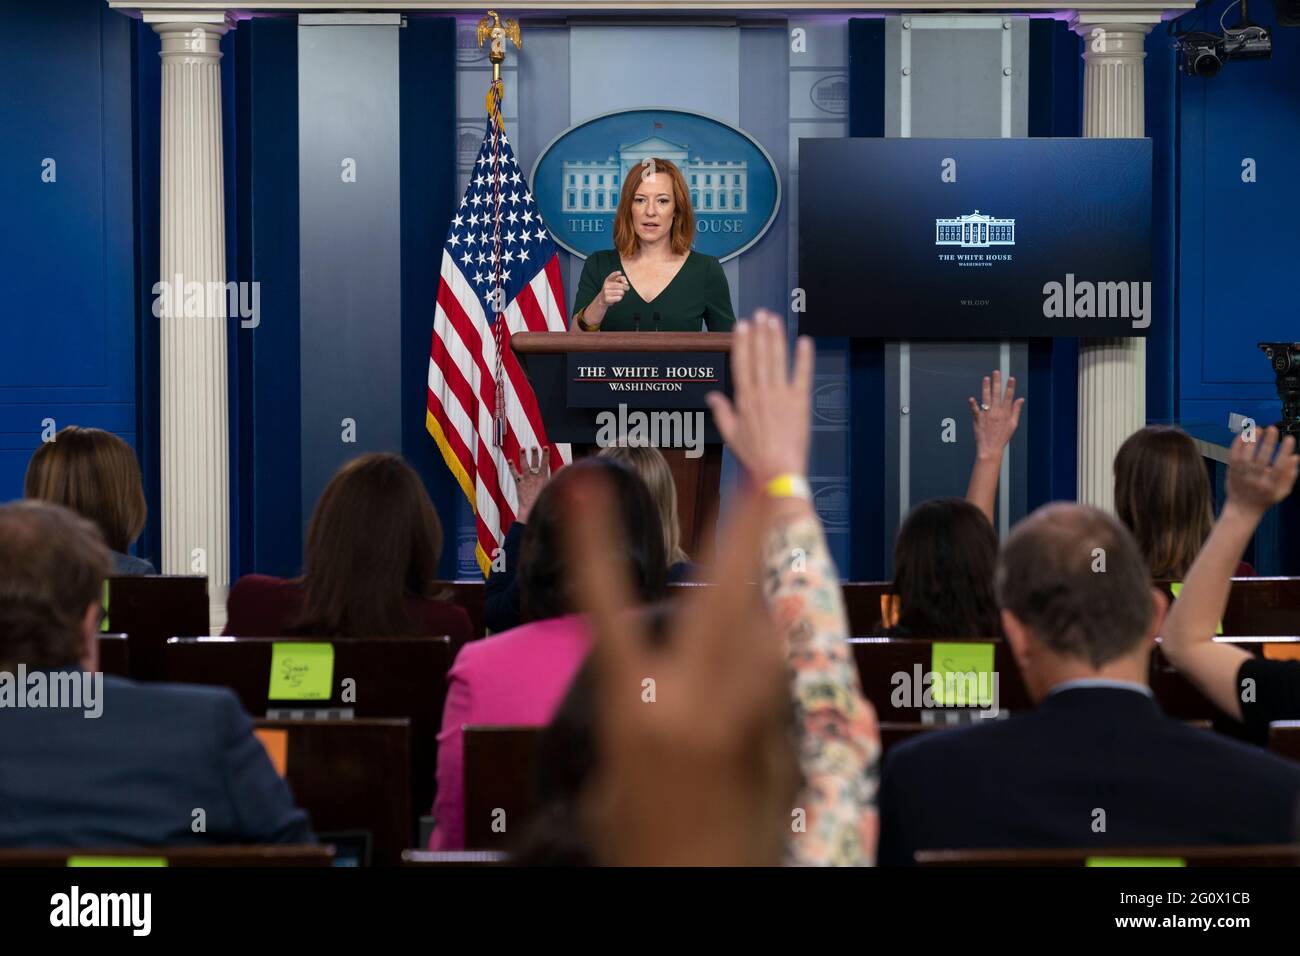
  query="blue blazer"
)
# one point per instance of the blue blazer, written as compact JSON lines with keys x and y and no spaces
{"x":1037,"y":780}
{"x":135,"y":775}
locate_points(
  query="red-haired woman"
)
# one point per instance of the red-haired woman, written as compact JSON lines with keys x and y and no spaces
{"x":652,"y":270}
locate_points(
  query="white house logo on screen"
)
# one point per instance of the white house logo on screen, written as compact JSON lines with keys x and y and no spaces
{"x":975,"y":231}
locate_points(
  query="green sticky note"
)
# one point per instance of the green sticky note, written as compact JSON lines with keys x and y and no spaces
{"x":103,"y":625}
{"x":1176,"y":588}
{"x":117,"y":861}
{"x":301,"y":671}
{"x":1134,"y":861}
{"x":963,"y":674}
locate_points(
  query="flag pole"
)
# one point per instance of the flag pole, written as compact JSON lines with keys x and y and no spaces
{"x":491,"y":27}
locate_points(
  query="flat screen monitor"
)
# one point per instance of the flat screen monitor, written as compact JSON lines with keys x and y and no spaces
{"x":974,"y":238}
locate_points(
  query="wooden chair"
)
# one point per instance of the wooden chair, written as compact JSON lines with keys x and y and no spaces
{"x":500,"y":765}
{"x":865,"y":604}
{"x":218,"y":856}
{"x":114,"y":658}
{"x":892,"y":672}
{"x":151,"y":609}
{"x":1264,"y":606}
{"x":392,"y":677}
{"x":467,"y":595}
{"x":1224,"y":856}
{"x":454,"y":858}
{"x":881,"y":660}
{"x":353,"y":777}
{"x":1284,"y":738}
{"x":1256,"y":606}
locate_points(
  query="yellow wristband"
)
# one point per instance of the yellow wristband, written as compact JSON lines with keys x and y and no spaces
{"x":789,"y":485}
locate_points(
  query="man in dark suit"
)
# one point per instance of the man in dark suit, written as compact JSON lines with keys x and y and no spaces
{"x":1096,"y":764}
{"x":94,"y":761}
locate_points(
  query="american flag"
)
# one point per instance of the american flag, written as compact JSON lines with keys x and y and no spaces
{"x":498,"y":258}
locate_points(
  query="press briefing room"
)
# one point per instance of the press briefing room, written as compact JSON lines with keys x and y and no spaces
{"x":441,"y":443}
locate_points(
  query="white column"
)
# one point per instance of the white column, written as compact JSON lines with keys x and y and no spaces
{"x":195,"y":445}
{"x":1112,"y":372}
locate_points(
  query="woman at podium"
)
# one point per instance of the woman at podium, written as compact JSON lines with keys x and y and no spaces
{"x":653,"y":281}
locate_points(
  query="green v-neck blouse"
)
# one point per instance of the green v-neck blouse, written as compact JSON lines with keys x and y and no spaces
{"x":697,"y":297}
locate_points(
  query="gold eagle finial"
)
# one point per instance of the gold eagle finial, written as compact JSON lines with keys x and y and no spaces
{"x":492,"y":26}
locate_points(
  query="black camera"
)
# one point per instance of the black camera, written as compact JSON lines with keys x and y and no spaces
{"x":1285,"y":359}
{"x":1203,"y":54}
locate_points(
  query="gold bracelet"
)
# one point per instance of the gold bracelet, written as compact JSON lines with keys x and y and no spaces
{"x":582,"y":323}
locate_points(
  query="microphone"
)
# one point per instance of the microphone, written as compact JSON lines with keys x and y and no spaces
{"x":656,"y":320}
{"x":636,"y":321}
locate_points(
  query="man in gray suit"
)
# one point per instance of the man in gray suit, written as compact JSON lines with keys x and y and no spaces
{"x":94,"y":761}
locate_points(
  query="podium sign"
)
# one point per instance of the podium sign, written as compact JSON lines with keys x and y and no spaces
{"x":594,"y":387}
{"x":643,"y":379}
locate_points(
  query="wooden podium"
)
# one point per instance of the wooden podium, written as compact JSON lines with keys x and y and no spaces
{"x":549,"y":359}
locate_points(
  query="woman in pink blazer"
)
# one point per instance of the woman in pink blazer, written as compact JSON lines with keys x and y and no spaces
{"x":519,"y":677}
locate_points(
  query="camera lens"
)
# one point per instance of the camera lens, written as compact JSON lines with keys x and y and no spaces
{"x":1206,"y":63}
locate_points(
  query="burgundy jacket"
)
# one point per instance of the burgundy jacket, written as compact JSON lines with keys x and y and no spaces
{"x":263,"y":606}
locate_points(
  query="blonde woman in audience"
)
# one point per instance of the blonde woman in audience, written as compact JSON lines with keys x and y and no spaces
{"x":650,"y":464}
{"x":1162,"y":494}
{"x":94,"y":473}
{"x":502,"y":604}
{"x":706,"y":776}
{"x":1223,"y":672}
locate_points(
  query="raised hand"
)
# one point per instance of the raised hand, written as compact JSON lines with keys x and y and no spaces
{"x":696,"y":775}
{"x":996,"y":416}
{"x":769,"y":425}
{"x":1257,"y":481}
{"x":530,"y":475}
{"x":994,"y":420}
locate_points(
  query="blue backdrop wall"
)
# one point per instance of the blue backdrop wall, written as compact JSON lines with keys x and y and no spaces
{"x":1236,"y":240}
{"x":67,"y":335}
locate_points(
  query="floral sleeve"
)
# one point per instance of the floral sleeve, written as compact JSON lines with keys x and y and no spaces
{"x":838,"y":738}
